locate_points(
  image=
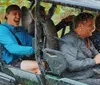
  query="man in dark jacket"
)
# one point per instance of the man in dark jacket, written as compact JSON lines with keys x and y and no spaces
{"x":96,"y":34}
{"x":82,"y":57}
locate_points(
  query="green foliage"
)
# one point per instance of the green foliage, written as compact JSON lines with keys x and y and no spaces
{"x":62,"y":12}
{"x":46,"y":5}
{"x":5,"y":3}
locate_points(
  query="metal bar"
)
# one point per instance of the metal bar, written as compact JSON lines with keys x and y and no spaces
{"x":93,"y":4}
{"x":38,"y":42}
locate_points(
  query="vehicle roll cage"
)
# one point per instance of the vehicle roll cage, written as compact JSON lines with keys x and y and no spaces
{"x":90,"y":5}
{"x":93,"y":5}
{"x":86,"y":4}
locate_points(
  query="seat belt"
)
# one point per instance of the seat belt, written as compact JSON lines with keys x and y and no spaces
{"x":19,"y":42}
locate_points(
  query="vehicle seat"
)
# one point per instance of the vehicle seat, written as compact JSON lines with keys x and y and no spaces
{"x":50,"y":34}
{"x":54,"y":58}
{"x":27,"y":20}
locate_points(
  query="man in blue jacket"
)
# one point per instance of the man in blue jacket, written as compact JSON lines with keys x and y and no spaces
{"x":15,"y":41}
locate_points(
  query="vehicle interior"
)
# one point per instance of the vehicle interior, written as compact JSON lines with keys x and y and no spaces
{"x":46,"y":41}
{"x":49,"y":45}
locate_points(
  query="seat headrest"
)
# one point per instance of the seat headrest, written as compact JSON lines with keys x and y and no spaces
{"x":26,"y":17}
{"x":27,"y":20}
{"x":51,"y":33}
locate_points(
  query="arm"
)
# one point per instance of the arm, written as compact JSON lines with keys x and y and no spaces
{"x":9,"y":42}
{"x":74,"y":63}
{"x":19,"y":50}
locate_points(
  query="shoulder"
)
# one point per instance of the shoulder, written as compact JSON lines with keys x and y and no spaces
{"x":70,"y":37}
{"x":70,"y":40}
{"x":2,"y":25}
{"x":3,"y":28}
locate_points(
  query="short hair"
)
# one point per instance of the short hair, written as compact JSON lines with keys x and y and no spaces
{"x":11,"y":8}
{"x":97,"y":22}
{"x":82,"y":17}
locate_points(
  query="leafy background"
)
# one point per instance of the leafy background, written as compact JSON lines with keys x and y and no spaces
{"x":5,"y":3}
{"x":60,"y":12}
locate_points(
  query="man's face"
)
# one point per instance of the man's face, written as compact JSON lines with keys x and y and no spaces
{"x":87,"y":27}
{"x":13,"y":18}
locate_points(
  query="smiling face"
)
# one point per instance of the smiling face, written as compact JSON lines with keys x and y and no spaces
{"x":13,"y":17}
{"x":86,"y":28}
{"x":84,"y":24}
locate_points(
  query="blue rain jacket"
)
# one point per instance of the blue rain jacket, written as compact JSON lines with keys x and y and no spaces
{"x":11,"y":50}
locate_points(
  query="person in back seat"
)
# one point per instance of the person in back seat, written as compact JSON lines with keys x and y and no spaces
{"x":81,"y":56}
{"x":16,"y":42}
{"x":96,"y":34}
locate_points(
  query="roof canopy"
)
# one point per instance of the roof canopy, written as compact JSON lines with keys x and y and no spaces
{"x":91,"y":4}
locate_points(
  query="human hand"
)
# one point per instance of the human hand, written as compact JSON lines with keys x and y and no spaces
{"x":97,"y":59}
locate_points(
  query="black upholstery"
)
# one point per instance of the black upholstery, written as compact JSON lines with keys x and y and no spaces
{"x":51,"y":34}
{"x":54,"y":58}
{"x":27,"y":20}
